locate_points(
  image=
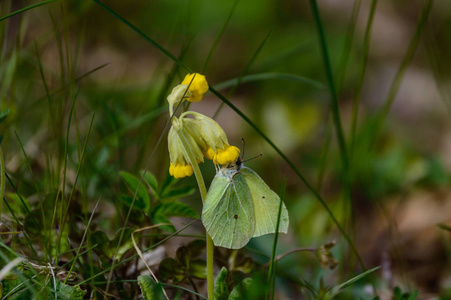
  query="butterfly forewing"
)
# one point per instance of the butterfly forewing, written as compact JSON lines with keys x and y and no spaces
{"x":228,"y":212}
{"x":266,"y":205}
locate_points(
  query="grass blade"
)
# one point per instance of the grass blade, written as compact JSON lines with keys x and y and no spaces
{"x":359,"y":82}
{"x":213,"y":47}
{"x":26,"y":8}
{"x":330,"y":80}
{"x":272,"y":265}
{"x":268,"y":76}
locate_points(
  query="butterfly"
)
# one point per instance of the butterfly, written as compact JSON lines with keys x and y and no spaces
{"x":239,"y":205}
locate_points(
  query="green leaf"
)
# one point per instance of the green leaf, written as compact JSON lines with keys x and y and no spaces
{"x":337,"y":289}
{"x":241,"y":290}
{"x":183,"y":256}
{"x":4,"y":114}
{"x":221,"y":291}
{"x":413,"y":296}
{"x":152,"y":182}
{"x":444,"y":226}
{"x":132,"y":183}
{"x":150,"y":289}
{"x":127,"y":200}
{"x":198,"y":269}
{"x":170,"y":269}
{"x":162,"y":211}
{"x":68,"y":292}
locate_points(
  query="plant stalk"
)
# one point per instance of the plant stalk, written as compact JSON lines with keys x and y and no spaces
{"x":203,"y":193}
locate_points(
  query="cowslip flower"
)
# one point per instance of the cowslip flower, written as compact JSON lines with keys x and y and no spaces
{"x":198,"y":86}
{"x":180,"y":145}
{"x":214,"y":143}
{"x":192,"y":139}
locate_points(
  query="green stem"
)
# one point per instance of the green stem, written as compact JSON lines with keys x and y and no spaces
{"x":203,"y":193}
{"x":2,"y":180}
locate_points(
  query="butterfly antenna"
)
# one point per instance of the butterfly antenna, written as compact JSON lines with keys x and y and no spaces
{"x":257,"y":156}
{"x":242,"y":153}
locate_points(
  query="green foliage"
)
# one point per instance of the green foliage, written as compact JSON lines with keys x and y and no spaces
{"x":150,"y":289}
{"x":162,"y":211}
{"x":221,"y":291}
{"x":142,"y":201}
{"x":185,"y":265}
{"x":399,"y":295}
{"x":4,"y":114}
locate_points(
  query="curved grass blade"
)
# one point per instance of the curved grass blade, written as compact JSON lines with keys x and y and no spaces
{"x":143,"y":35}
{"x":269,"y":76}
{"x":330,"y":80}
{"x":213,"y":47}
{"x":336,"y":290}
{"x":359,"y":83}
{"x":350,"y":32}
{"x":272,"y":265}
{"x":26,"y":8}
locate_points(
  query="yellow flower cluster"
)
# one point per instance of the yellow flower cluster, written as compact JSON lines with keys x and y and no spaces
{"x":196,"y":137}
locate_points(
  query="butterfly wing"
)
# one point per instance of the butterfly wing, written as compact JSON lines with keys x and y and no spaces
{"x":228,"y":212}
{"x":266,"y":205}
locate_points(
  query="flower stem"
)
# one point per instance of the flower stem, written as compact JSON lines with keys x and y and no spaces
{"x":203,"y":193}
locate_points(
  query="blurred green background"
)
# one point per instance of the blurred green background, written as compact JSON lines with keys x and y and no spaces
{"x":391,"y":198}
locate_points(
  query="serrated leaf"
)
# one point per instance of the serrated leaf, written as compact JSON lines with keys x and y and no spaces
{"x":132,"y":183}
{"x":221,"y":292}
{"x":163,"y":211}
{"x":152,"y":182}
{"x":150,"y":289}
{"x":241,"y":290}
{"x":68,"y":292}
{"x":178,"y":193}
{"x":4,"y":114}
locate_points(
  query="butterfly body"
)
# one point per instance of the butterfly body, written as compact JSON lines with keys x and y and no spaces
{"x":239,"y":205}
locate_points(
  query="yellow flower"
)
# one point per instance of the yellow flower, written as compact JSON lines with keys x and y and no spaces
{"x":227,"y":155}
{"x":209,"y":153}
{"x":180,"y":143}
{"x":180,"y":171}
{"x":197,"y":86}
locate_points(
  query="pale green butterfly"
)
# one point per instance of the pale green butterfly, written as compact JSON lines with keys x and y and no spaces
{"x":239,"y":205}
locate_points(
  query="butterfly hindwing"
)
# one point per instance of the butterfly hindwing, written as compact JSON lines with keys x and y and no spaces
{"x":228,"y":212}
{"x":266,"y":205}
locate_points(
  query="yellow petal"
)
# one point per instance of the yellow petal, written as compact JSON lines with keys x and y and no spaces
{"x":209,"y":154}
{"x":229,"y":155}
{"x":197,"y":86}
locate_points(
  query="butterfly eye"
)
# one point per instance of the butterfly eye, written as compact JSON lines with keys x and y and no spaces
{"x":236,"y":217}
